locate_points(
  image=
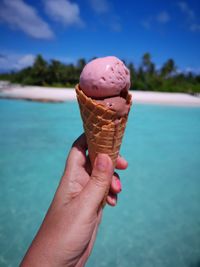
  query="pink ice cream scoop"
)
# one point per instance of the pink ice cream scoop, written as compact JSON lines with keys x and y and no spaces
{"x":104,"y":77}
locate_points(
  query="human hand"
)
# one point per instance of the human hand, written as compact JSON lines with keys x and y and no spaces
{"x":68,"y":232}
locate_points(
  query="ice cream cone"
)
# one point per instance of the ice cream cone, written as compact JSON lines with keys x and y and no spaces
{"x":104,"y":130}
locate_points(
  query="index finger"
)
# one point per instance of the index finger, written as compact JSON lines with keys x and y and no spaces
{"x":77,"y":153}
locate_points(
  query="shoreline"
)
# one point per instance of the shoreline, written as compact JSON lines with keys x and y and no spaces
{"x":60,"y":95}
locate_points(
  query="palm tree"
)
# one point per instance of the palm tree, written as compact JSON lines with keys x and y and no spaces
{"x":81,"y":63}
{"x":132,"y":73}
{"x":40,"y":70}
{"x":146,"y":60}
{"x":168,"y":68}
{"x":55,"y":71}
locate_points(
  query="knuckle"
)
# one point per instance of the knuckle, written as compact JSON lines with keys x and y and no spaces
{"x":99,"y":180}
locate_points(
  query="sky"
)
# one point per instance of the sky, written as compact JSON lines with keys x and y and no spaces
{"x":68,"y":30}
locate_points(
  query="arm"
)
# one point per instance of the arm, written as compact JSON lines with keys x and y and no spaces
{"x":67,"y":234}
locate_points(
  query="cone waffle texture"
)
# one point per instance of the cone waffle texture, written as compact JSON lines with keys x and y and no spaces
{"x":104,"y":130}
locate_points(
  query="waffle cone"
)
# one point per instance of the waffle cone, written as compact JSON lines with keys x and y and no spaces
{"x":103,"y":129}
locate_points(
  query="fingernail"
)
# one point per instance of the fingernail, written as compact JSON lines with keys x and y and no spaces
{"x":114,"y":202}
{"x":119,"y":185}
{"x":101,"y":162}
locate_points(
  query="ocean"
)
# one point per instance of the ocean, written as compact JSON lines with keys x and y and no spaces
{"x":157,"y":220}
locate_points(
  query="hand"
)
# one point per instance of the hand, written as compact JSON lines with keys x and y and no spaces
{"x":67,"y":234}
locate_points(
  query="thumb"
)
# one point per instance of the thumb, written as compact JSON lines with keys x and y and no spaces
{"x":95,"y":190}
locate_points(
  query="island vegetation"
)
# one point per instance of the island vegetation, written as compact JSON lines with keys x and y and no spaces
{"x":146,"y":77}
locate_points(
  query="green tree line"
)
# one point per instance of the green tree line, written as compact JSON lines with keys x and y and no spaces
{"x":145,"y":77}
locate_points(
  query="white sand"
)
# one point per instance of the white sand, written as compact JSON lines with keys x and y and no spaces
{"x":45,"y":94}
{"x":37,"y":93}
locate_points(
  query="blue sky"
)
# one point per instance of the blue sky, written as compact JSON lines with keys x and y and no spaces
{"x":69,"y":30}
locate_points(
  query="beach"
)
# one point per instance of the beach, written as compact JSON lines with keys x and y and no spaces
{"x":48,"y":94}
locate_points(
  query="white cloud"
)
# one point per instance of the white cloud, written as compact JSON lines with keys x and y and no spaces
{"x":108,"y":16}
{"x":184,"y":7}
{"x":101,"y":6}
{"x":63,"y":11}
{"x":25,"y":61}
{"x":19,"y":15}
{"x":195,"y":71}
{"x":163,"y":17}
{"x":146,"y":23}
{"x":195,"y":27}
{"x":15,"y":61}
{"x":115,"y":24}
{"x":190,"y":16}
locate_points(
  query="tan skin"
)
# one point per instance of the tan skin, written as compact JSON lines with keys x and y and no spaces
{"x":67,"y":234}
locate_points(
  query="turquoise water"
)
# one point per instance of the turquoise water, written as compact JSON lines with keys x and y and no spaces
{"x":157,"y":220}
